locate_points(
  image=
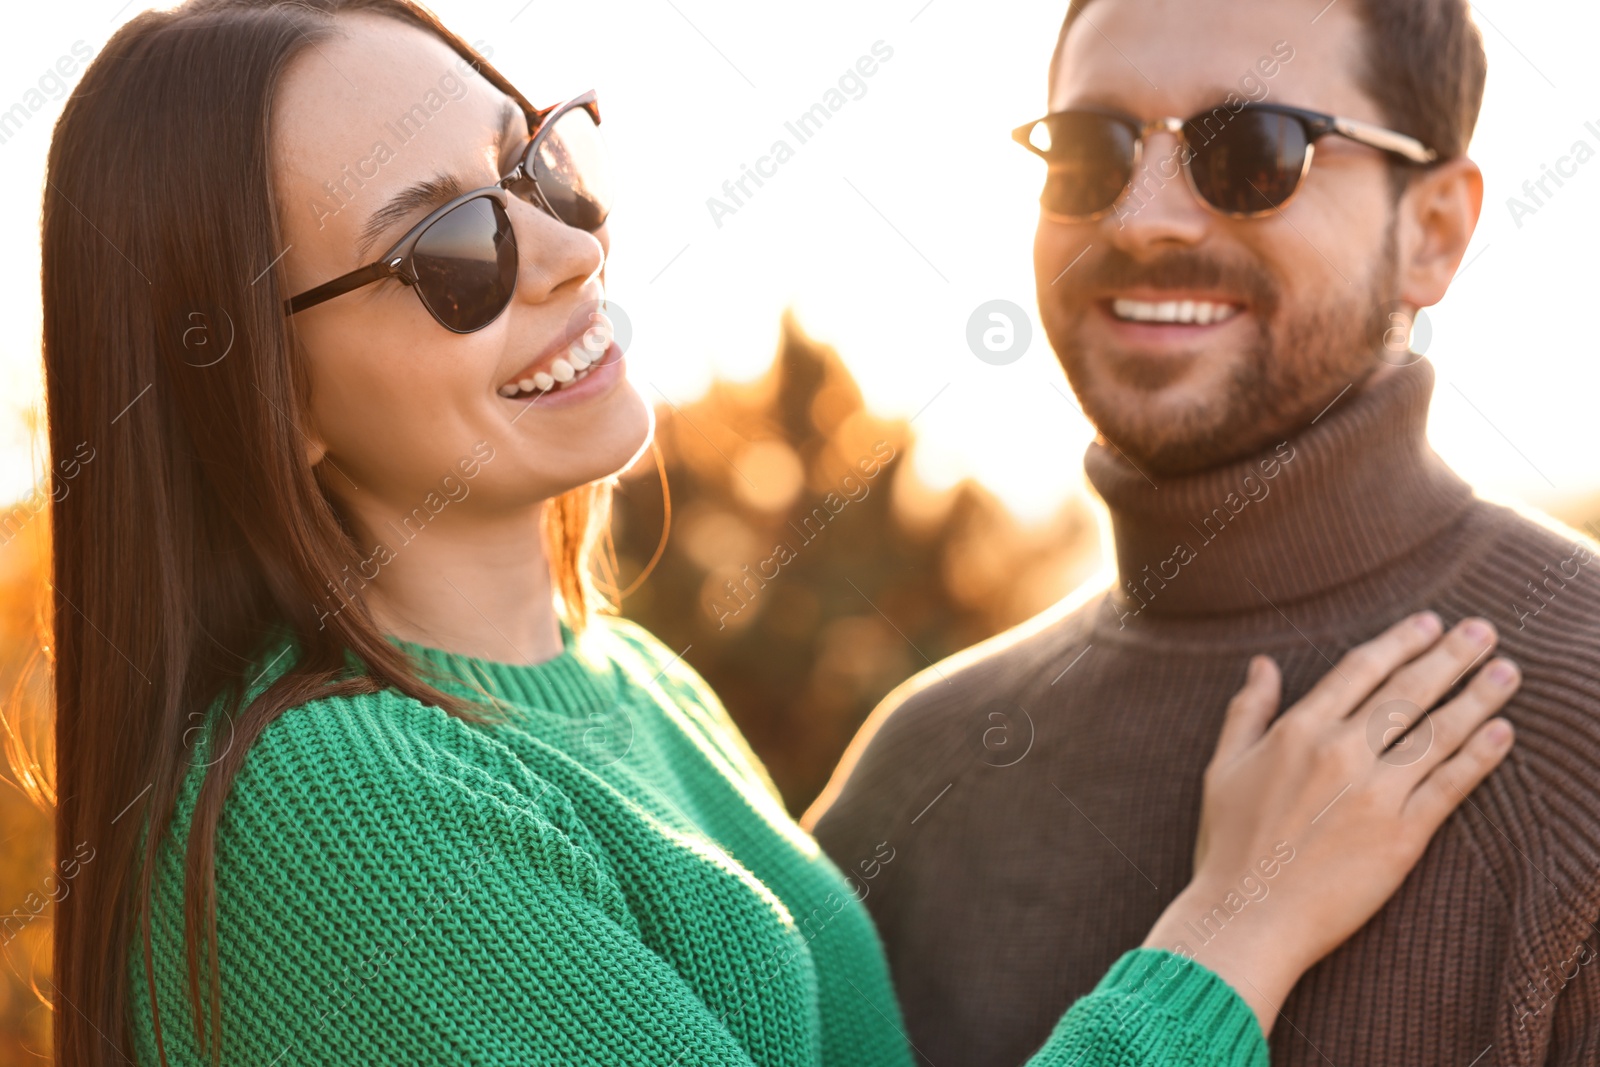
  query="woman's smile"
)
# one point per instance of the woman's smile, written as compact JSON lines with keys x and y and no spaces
{"x":566,"y":363}
{"x":565,"y":383}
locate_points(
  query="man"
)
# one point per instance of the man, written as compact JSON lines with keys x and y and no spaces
{"x":1262,"y":452}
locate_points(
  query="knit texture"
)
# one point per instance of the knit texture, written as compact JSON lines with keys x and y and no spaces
{"x":606,"y":875}
{"x":1063,"y":760}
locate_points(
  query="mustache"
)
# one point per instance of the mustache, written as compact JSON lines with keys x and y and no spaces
{"x":1179,"y":269}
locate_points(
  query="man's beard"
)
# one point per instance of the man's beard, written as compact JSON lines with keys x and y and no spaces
{"x":1288,"y":371}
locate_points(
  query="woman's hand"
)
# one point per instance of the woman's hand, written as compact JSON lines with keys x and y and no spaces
{"x":1311,"y":823}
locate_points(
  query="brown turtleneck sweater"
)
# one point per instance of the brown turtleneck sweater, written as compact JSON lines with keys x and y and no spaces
{"x":1041,"y":791}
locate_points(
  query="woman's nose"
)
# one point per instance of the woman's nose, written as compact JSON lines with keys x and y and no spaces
{"x":551,"y":254}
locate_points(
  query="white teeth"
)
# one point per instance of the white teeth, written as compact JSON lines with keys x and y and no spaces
{"x":561,"y":374}
{"x":577,"y":356}
{"x":1189,"y":312}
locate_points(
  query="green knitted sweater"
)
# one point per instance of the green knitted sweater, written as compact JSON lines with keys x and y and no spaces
{"x":607,"y":876}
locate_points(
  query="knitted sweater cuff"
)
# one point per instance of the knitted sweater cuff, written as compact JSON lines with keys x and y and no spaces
{"x":1157,"y":1007}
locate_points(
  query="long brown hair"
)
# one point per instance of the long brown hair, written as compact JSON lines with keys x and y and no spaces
{"x":199,"y":530}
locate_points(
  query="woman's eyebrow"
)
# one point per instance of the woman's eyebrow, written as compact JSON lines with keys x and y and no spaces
{"x":429,"y":193}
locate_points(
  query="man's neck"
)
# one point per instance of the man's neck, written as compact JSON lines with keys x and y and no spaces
{"x":1352,"y":492}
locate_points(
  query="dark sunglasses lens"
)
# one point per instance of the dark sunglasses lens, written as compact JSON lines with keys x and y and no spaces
{"x":466,"y":265}
{"x":1090,"y":158}
{"x":573,"y":170}
{"x":1248,"y":162}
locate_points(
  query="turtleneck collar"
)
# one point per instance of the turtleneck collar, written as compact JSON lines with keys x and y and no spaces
{"x":1357,"y":489}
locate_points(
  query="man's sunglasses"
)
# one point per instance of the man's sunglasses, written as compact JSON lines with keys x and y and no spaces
{"x":461,"y":260}
{"x":1242,"y":164}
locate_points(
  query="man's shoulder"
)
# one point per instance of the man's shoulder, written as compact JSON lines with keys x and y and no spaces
{"x":1523,"y":529}
{"x":1519,"y":527}
{"x":1538,"y":581}
{"x":932,"y":716}
{"x":996,"y":667}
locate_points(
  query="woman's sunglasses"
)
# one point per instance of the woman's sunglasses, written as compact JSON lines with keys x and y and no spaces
{"x":1241,"y":164}
{"x":461,"y":260}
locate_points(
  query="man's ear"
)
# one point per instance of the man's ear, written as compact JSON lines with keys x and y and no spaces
{"x":1437,"y":215}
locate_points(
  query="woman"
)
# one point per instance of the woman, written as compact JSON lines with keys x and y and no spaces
{"x":326,"y":643}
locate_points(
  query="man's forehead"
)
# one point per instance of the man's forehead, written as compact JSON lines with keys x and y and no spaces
{"x":1173,"y":57}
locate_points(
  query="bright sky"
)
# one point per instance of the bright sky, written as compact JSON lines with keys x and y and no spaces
{"x":912,"y":207}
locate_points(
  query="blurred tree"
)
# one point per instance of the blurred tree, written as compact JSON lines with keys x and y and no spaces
{"x":808,"y":570}
{"x":27,"y":843}
{"x":1582,"y":515}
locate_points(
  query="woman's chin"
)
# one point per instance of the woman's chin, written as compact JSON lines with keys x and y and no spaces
{"x":630,"y":427}
{"x":645,"y":435}
{"x":611,"y":445}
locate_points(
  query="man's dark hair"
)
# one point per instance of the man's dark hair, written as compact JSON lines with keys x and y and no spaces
{"x":1424,"y":67}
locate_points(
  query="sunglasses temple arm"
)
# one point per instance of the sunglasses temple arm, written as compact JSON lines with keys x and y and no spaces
{"x":1388,"y":140}
{"x":339,"y":286}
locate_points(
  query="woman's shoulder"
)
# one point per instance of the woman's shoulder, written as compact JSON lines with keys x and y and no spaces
{"x":650,"y":663}
{"x":382,"y":732}
{"x":626,"y":634}
{"x":329,"y":779}
{"x":666,"y":675}
{"x":381,"y":757}
{"x":364,"y":738}
{"x":388,"y":730}
{"x":363,"y":839}
{"x":374,"y":762}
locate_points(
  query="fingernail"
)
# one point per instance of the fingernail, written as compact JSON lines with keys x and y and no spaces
{"x":1499,"y":731}
{"x":1477,"y":630}
{"x":1501,"y":672}
{"x":1427,"y":621}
